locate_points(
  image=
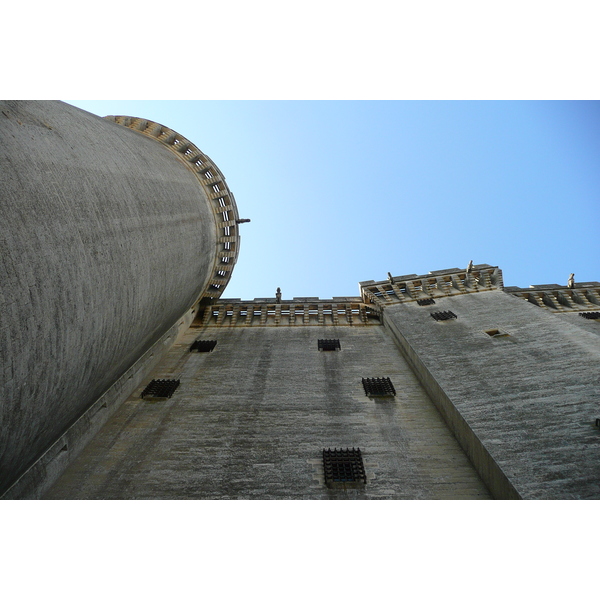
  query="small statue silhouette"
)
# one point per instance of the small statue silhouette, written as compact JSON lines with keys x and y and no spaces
{"x":278,"y":295}
{"x":571,"y":282}
{"x":470,"y":266}
{"x":390,"y":278}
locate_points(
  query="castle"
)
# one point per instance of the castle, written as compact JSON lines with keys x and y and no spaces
{"x":127,"y":374}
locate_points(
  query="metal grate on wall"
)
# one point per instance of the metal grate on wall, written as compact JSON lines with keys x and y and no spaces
{"x":425,"y":301}
{"x":444,"y":315}
{"x":203,"y":345}
{"x":329,"y":345}
{"x":160,"y":388}
{"x":590,"y":315}
{"x":378,"y":386}
{"x":343,"y":467}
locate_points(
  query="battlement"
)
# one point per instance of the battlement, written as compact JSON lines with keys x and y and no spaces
{"x":266,"y":312}
{"x":209,"y":176}
{"x":436,"y":284}
{"x":561,"y":298}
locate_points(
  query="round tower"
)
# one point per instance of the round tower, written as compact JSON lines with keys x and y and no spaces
{"x":113,"y":232}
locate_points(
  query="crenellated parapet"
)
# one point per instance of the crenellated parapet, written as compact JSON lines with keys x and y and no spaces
{"x":559,"y":298}
{"x":266,"y":312}
{"x":436,"y":284}
{"x":212,"y":180}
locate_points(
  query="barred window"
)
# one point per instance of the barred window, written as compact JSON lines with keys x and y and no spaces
{"x":343,"y":466}
{"x":378,"y":386}
{"x":160,"y":388}
{"x":329,"y":345}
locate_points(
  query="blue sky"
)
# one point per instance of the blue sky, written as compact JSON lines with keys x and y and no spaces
{"x":344,"y":191}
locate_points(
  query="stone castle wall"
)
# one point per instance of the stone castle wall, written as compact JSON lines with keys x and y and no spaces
{"x":250,"y":420}
{"x":107,"y":241}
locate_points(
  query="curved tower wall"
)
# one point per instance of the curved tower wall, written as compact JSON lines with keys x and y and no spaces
{"x":107,"y":240}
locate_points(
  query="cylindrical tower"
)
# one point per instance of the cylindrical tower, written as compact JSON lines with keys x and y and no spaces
{"x":112,"y":231}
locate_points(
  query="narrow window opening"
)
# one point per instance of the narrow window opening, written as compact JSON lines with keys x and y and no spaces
{"x":444,"y":315}
{"x":425,"y":301}
{"x":496,"y":333}
{"x":203,"y":346}
{"x":160,"y":388}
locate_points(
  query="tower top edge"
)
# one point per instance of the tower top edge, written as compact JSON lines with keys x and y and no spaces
{"x":212,"y":181}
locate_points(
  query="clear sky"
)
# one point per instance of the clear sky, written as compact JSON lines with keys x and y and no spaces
{"x":344,"y":191}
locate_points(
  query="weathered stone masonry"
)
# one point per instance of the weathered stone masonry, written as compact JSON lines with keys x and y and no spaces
{"x":117,"y":241}
{"x":110,"y":239}
{"x":517,"y":382}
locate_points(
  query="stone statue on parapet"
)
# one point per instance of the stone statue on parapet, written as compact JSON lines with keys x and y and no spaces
{"x":470,"y":266}
{"x":571,"y":282}
{"x":390,"y":278}
{"x":278,"y":295}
